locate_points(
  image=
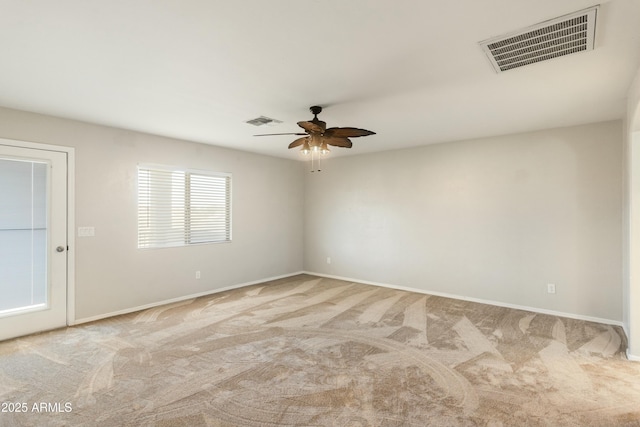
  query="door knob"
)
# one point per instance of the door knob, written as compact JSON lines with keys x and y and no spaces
{"x":60,"y":249}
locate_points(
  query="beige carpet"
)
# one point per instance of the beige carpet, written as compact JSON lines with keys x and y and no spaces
{"x":306,"y":351}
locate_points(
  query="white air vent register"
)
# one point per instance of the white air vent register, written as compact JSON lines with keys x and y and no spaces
{"x":561,"y":36}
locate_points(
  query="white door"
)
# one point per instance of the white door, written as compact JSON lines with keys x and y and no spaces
{"x":33,"y":240}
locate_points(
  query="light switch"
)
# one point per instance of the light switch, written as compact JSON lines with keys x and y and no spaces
{"x":86,"y":231}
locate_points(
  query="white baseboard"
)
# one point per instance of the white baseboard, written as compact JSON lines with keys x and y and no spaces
{"x":478,"y":300}
{"x":366,"y":282}
{"x":178,"y":299}
{"x":632,"y":357}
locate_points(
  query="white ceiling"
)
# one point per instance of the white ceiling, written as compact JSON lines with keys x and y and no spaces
{"x":410,"y":70}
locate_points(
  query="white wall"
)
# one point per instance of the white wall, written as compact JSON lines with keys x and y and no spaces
{"x":493,"y":219}
{"x":111,"y":273}
{"x":631,"y":294}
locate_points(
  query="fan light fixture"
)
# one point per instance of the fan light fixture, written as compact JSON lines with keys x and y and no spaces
{"x":315,"y":148}
{"x":317,"y":138}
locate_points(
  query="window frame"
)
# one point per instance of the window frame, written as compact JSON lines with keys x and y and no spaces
{"x":187,"y":231}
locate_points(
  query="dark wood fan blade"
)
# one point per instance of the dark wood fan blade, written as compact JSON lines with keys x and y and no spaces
{"x":347,"y":132}
{"x":273,"y":134}
{"x":338,"y":142}
{"x":311,"y":127}
{"x":298,"y":142}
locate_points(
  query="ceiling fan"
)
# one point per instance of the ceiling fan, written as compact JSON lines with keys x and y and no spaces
{"x":317,"y":137}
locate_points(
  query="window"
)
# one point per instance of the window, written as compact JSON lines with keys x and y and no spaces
{"x":182,"y":207}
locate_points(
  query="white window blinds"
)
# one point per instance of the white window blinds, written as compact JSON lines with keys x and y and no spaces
{"x":178,"y":207}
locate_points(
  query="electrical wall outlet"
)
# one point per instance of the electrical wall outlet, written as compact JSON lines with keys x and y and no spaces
{"x":197,"y":274}
{"x":328,"y":260}
{"x":551,"y":288}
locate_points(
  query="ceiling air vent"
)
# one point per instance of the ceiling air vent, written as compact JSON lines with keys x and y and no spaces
{"x":262,"y":120}
{"x":561,"y":36}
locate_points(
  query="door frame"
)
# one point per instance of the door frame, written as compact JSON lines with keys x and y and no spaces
{"x":71,"y":173}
